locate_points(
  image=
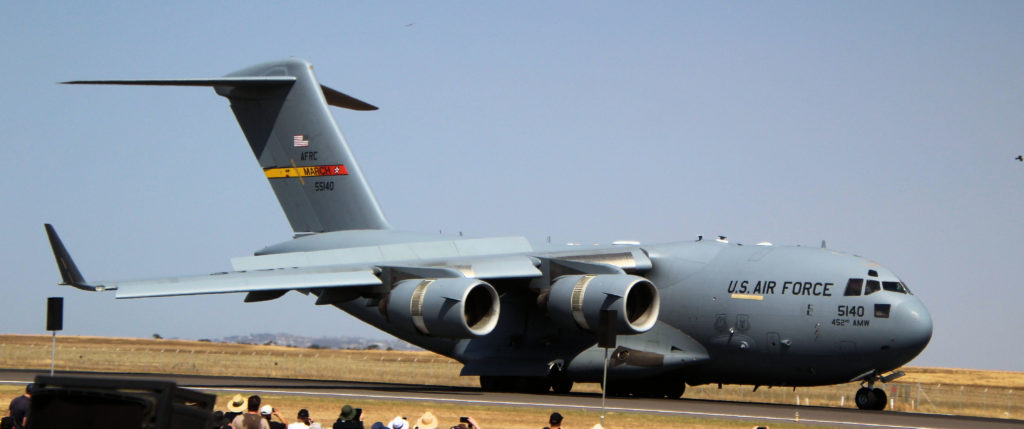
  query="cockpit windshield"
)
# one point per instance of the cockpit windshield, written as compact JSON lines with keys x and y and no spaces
{"x":855,"y":287}
{"x":894,"y":287}
{"x":872,"y":287}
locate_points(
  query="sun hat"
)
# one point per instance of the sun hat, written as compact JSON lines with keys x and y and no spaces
{"x":348,"y":413}
{"x":237,"y":404}
{"x":427,"y":421}
{"x":267,"y":410}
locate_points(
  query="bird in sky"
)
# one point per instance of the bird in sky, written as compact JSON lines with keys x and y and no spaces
{"x":1020,"y":158}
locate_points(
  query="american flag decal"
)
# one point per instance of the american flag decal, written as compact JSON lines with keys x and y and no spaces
{"x":300,"y":141}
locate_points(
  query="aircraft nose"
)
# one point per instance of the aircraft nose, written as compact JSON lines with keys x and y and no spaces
{"x":915,"y":326}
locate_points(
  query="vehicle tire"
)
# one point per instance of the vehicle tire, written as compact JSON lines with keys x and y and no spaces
{"x":490,"y":383}
{"x":881,"y":400}
{"x":562,"y":385}
{"x":617,"y":389}
{"x":529,"y":384}
{"x":675,"y":391}
{"x":864,"y":399}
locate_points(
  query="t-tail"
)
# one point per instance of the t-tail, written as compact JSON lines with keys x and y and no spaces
{"x":283,"y":111}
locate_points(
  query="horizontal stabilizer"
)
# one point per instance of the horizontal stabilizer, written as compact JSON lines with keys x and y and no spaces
{"x":217,"y":81}
{"x":333,"y":96}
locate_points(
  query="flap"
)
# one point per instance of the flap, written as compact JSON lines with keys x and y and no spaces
{"x":280,"y":279}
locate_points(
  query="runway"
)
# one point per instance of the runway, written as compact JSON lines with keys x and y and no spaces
{"x":756,"y":413}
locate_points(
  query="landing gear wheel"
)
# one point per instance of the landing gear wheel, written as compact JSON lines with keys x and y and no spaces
{"x":880,"y":399}
{"x":617,"y":389}
{"x":675,"y":392}
{"x":864,"y":399}
{"x":562,"y":386}
{"x":490,"y":383}
{"x":530,"y":384}
{"x":639,"y":390}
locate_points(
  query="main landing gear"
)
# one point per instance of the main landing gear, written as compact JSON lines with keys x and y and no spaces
{"x":492,"y":383}
{"x":869,"y":397}
{"x":647,"y":388}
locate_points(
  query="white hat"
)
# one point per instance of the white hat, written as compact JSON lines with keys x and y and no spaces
{"x":398,"y":423}
{"x":266,"y":410}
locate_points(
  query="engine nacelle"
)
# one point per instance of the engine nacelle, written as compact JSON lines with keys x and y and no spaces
{"x":446,"y":307}
{"x":577,"y":300}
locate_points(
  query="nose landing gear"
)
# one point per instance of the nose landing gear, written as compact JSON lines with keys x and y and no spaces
{"x":869,"y":397}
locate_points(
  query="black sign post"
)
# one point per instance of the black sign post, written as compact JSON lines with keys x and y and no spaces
{"x":606,"y":340}
{"x":54,"y":323}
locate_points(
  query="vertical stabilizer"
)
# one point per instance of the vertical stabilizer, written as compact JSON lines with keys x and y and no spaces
{"x":283,"y":112}
{"x":301,"y":150}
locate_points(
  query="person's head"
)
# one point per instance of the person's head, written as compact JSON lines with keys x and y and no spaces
{"x":348,"y":413}
{"x":556,"y":419}
{"x":304,"y":415}
{"x":254,"y":403}
{"x":427,"y":421}
{"x":219,"y":419}
{"x":399,"y":423}
{"x":28,"y":389}
{"x":236,"y":404}
{"x":266,"y":411}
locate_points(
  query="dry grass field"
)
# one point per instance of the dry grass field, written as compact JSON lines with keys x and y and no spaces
{"x":934,"y":390}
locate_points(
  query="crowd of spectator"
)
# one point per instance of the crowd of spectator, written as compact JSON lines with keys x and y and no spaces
{"x":252,"y":413}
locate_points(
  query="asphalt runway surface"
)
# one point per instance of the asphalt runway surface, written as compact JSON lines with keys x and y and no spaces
{"x":755,"y":413}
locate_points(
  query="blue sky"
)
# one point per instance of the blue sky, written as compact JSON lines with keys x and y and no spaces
{"x":887,"y":129}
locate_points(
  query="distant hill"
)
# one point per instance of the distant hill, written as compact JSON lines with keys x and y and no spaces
{"x":290,"y":340}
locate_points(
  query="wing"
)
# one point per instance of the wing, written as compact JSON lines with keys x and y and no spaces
{"x":270,"y":276}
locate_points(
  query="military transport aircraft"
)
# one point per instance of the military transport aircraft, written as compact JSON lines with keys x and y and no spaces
{"x":529,"y":320}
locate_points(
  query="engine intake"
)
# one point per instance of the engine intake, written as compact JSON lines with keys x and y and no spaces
{"x":446,"y":307}
{"x":577,"y":300}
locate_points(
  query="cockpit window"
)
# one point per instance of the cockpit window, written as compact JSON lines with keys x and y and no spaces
{"x":853,"y":287}
{"x":872,"y":287}
{"x":894,"y":287}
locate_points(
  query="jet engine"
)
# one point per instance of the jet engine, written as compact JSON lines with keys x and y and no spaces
{"x":577,"y":300}
{"x":445,"y":307}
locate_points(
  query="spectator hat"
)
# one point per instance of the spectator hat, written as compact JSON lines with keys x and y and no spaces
{"x":303,"y":413}
{"x":348,"y":413}
{"x":237,"y":404}
{"x":398,"y":423}
{"x":267,"y":410}
{"x":427,"y":421}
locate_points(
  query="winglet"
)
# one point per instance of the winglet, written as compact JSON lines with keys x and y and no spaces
{"x":69,"y":273}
